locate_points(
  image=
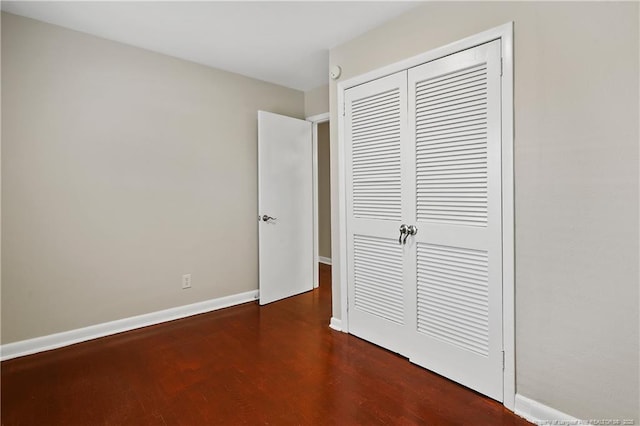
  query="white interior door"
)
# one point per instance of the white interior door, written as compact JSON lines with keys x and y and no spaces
{"x":285,"y":206}
{"x":454,"y":124}
{"x":375,"y":118}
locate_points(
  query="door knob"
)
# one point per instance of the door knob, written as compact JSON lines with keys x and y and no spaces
{"x":411,"y":230}
{"x":403,"y":231}
{"x":406,"y":231}
{"x":267,"y":218}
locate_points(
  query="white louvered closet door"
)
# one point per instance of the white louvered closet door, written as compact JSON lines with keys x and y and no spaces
{"x":376,"y":155}
{"x":455,"y":139}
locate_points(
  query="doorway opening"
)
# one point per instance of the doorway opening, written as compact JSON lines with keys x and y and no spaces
{"x":321,"y":195}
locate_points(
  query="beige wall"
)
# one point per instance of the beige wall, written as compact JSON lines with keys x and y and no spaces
{"x":122,"y":170}
{"x":324,"y":191}
{"x":316,"y":101}
{"x":576,"y":180}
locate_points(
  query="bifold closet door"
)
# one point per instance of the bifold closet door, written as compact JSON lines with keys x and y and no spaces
{"x":377,"y":164}
{"x":456,"y":296}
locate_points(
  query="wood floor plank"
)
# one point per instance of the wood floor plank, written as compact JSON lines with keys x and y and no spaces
{"x":278,"y":364}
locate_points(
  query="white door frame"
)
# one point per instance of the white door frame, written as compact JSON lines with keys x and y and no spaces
{"x":315,"y":120}
{"x":505,"y":34}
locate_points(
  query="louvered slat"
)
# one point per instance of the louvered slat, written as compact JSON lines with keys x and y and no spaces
{"x":375,"y":155}
{"x":453,"y":297}
{"x":375,"y":101}
{"x":378,"y":277}
{"x":451,"y":147}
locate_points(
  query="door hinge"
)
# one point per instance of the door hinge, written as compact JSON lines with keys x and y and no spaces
{"x":344,"y":108}
{"x":501,"y":66}
{"x":503,"y":362}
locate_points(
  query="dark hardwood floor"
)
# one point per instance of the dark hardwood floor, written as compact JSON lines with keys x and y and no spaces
{"x":278,"y":364}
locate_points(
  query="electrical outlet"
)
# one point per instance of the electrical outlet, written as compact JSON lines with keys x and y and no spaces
{"x":186,"y":281}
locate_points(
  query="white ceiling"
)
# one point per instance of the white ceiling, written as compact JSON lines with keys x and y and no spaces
{"x":286,"y":43}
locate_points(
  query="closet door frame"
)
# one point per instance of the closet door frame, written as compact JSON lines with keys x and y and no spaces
{"x":504,"y":33}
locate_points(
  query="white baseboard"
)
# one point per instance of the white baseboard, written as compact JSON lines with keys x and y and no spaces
{"x":66,"y":338}
{"x":325,"y":260}
{"x":335,"y":324}
{"x":539,"y":413}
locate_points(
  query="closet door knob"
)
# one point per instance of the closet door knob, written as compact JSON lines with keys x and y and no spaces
{"x":403,"y":231}
{"x":411,"y":230}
